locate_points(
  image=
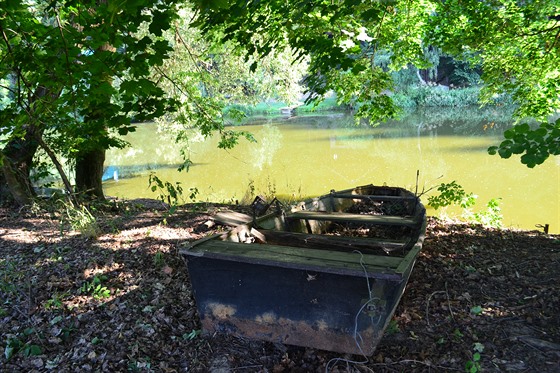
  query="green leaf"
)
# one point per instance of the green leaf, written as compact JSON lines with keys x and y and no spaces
{"x":28,"y":331}
{"x":508,"y":134}
{"x":478,"y":347}
{"x":160,"y":22}
{"x":192,"y":335}
{"x":530,"y":160}
{"x":32,"y":350}
{"x":9,"y":351}
{"x":504,"y":152}
{"x":477,"y":310}
{"x":517,"y":148}
{"x":522,"y":128}
{"x":470,"y":367}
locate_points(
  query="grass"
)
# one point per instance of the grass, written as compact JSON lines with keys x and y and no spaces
{"x":267,"y":108}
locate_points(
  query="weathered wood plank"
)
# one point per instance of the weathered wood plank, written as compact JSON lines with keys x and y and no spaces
{"x":332,"y":242}
{"x":374,"y":197}
{"x":408,"y":261}
{"x":353,"y":218}
{"x":232,"y":218}
{"x":300,"y":258}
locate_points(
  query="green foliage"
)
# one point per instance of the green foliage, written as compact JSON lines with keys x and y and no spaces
{"x":465,"y":72}
{"x":217,"y":87}
{"x":476,"y":310}
{"x":42,"y":172}
{"x":326,"y":104}
{"x":473,"y":365}
{"x":359,"y":48}
{"x":491,"y":217}
{"x":192,"y":335}
{"x":451,"y":194}
{"x":535,"y":144}
{"x":393,"y":327}
{"x":457,"y":334}
{"x":21,"y":343}
{"x":515,"y":44}
{"x":159,"y":260}
{"x":341,"y":41}
{"x":54,"y":302}
{"x":95,"y":288}
{"x":81,"y":220}
{"x":11,"y":277}
{"x":432,"y":96}
{"x":78,"y":73}
{"x":168,"y":193}
{"x":271,"y":108}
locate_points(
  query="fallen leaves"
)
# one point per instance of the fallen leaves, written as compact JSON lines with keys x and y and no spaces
{"x":471,"y":287}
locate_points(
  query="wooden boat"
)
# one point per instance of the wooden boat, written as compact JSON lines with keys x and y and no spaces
{"x":327,"y":273}
{"x":288,"y":110}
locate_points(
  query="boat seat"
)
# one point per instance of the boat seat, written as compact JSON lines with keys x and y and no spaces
{"x":353,"y":218}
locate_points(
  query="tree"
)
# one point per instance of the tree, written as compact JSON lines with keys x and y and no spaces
{"x":78,"y":74}
{"x":515,"y":43}
{"x":209,"y":79}
{"x":101,"y":65}
{"x":341,"y":38}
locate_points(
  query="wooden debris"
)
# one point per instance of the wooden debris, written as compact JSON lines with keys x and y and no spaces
{"x":232,"y":218}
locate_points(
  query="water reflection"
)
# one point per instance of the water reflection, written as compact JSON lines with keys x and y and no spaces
{"x":309,"y":155}
{"x":262,"y":154}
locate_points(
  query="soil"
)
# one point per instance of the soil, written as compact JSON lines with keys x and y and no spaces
{"x":478,"y":299}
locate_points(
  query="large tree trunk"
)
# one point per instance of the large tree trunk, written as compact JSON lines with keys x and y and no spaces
{"x":89,"y":163}
{"x":17,"y":159}
{"x":89,"y":173}
{"x":17,"y":156}
{"x":4,"y":191}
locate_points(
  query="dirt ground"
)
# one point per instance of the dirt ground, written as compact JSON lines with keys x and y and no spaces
{"x":478,"y":299}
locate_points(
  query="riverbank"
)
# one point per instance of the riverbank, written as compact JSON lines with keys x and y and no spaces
{"x":407,"y":99}
{"x":122,"y":301}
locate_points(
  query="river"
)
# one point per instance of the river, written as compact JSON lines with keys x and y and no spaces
{"x":308,"y":155}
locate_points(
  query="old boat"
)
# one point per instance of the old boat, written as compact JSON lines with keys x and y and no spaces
{"x":327,"y":273}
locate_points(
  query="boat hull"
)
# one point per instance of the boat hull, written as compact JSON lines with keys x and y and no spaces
{"x":302,"y":288}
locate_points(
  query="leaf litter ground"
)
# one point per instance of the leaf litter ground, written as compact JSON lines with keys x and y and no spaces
{"x":123,"y":302}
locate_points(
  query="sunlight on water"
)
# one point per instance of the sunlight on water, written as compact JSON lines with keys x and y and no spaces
{"x":308,"y":156}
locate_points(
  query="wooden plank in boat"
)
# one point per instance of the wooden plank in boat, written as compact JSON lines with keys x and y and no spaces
{"x":407,"y":262}
{"x":332,"y":242}
{"x":374,"y":197}
{"x":357,"y":218}
{"x":338,"y":262}
{"x":232,"y":218}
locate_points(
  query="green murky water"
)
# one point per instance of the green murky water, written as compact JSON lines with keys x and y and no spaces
{"x":310,"y":155}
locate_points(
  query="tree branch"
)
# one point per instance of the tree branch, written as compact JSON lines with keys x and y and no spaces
{"x":556,"y":38}
{"x":539,"y":32}
{"x":71,"y":197}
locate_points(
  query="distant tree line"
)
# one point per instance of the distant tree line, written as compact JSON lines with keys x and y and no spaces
{"x":77,"y":75}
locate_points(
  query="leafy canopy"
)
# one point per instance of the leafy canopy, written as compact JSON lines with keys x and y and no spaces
{"x":516,"y":43}
{"x":90,"y":64}
{"x":340,"y":38}
{"x":205,"y":77}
